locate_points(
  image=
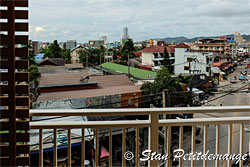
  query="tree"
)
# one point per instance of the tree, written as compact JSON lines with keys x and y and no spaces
{"x":162,"y":81}
{"x":128,"y":48}
{"x":101,"y":54}
{"x":166,"y":61}
{"x":66,"y":55}
{"x":34,"y":73}
{"x":53,"y":51}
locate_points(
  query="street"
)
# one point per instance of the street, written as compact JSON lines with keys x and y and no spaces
{"x":238,"y":98}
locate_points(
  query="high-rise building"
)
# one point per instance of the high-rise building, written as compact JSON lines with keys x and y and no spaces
{"x":70,"y":44}
{"x":125,"y":33}
{"x":105,"y":39}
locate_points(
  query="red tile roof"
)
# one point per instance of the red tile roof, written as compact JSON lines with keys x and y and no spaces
{"x":137,"y":53}
{"x":158,"y":49}
{"x":181,"y":45}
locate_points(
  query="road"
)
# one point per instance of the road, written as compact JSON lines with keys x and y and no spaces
{"x":234,"y":99}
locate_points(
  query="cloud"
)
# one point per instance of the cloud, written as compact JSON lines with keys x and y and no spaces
{"x":85,"y":20}
{"x":38,"y":29}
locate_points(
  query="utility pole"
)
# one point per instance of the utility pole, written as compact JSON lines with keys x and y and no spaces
{"x":128,"y":66}
{"x":189,"y":65}
{"x":165,"y":103}
{"x":87,"y":60}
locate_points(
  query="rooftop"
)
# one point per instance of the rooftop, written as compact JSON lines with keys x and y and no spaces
{"x":62,"y":78}
{"x":181,"y":45}
{"x":55,"y":61}
{"x":159,"y":49}
{"x":138,"y":73}
{"x":107,"y":85}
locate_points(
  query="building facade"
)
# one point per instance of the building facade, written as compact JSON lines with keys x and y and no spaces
{"x":153,"y":56}
{"x":70,"y":44}
{"x":75,"y":55}
{"x":192,"y":62}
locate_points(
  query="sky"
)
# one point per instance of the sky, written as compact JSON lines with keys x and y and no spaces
{"x":85,"y":20}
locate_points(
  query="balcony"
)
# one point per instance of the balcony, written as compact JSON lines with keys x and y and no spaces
{"x":157,"y":58}
{"x":152,"y":123}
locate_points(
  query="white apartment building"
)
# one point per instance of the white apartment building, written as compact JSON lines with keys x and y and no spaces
{"x":153,"y":56}
{"x":191,"y":62}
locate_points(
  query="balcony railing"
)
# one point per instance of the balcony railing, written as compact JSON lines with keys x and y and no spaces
{"x":153,"y":123}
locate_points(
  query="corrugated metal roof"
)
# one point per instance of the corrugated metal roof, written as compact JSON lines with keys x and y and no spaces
{"x":88,"y":93}
{"x":62,"y":78}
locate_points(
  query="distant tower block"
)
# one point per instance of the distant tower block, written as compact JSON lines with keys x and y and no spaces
{"x":125,"y":33}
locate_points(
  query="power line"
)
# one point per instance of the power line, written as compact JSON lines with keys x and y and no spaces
{"x":228,"y":93}
{"x":150,"y":95}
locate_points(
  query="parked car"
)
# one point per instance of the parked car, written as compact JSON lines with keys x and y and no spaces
{"x":233,"y":80}
{"x":241,"y":77}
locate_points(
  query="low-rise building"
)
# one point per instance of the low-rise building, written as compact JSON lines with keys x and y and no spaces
{"x":81,"y":90}
{"x":75,"y":54}
{"x":153,"y":56}
{"x":191,"y":62}
{"x":96,"y":43}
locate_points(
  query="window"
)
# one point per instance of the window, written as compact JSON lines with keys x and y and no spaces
{"x":207,"y":69}
{"x":189,"y":59}
{"x":186,"y":67}
{"x":155,"y":55}
{"x":202,"y":77}
{"x":207,"y":60}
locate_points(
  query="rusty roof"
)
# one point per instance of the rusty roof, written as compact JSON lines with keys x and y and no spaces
{"x":62,"y":78}
{"x":107,"y":85}
{"x":88,"y":93}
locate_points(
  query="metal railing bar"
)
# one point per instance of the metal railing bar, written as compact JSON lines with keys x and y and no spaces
{"x":241,"y":142}
{"x":180,"y":143}
{"x":137,"y":111}
{"x":204,"y":121}
{"x":230,"y":136}
{"x":69,"y":147}
{"x":136,"y":123}
{"x":110,"y":147}
{"x":83,"y":148}
{"x":205,"y":145}
{"x":89,"y":124}
{"x":137,"y":147}
{"x":96,"y":148}
{"x":169,"y":143}
{"x":217,"y":143}
{"x":41,"y":147}
{"x":193,"y":144}
{"x":55,"y":149}
{"x":123,"y":146}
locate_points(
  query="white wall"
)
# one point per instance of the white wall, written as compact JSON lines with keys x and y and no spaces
{"x":147,"y":58}
{"x":181,"y":60}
